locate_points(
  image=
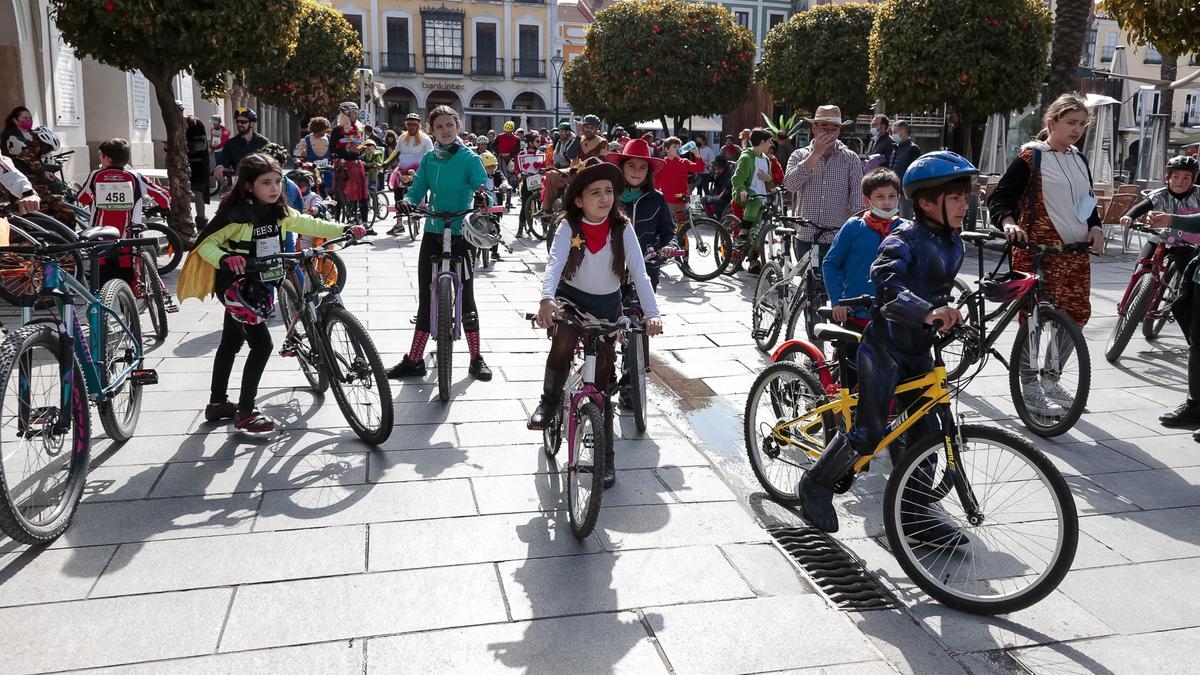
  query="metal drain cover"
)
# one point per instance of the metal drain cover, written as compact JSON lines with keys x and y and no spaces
{"x":836,"y":573}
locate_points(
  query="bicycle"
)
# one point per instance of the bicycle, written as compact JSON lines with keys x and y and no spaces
{"x":530,"y":217}
{"x":445,"y":302}
{"x":583,"y":411}
{"x":1152,"y":290}
{"x":776,"y":300}
{"x":332,"y":346}
{"x":706,"y":243}
{"x":52,"y":367}
{"x":636,"y":352}
{"x":1018,"y":526}
{"x":1041,"y":359}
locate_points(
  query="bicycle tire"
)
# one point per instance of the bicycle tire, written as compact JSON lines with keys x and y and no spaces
{"x":379,"y":206}
{"x":936,"y":585}
{"x":1128,"y":321}
{"x":13,"y":522}
{"x":1155,"y":319}
{"x":445,"y":337}
{"x":719,"y":247}
{"x":311,"y":363}
{"x":119,"y":419}
{"x":167,"y":260}
{"x":780,"y":482}
{"x":1055,"y":316}
{"x":958,"y":355}
{"x":414,"y":226}
{"x":332,"y":269}
{"x":635,"y":351}
{"x":365,"y":361}
{"x":583,"y":516}
{"x":803,"y":307}
{"x":765,"y":332}
{"x":154,"y":294}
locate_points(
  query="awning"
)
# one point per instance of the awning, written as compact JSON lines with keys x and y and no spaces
{"x":704,"y":124}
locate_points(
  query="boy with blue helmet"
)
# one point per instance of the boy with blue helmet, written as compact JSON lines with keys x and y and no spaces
{"x":914,"y":278}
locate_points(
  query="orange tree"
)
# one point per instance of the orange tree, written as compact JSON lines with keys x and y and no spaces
{"x":820,"y":56}
{"x":979,"y":58}
{"x":165,"y":37}
{"x":659,"y":59}
{"x":321,"y":71}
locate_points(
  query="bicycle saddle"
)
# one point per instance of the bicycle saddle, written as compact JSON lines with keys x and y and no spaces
{"x":831,"y":333}
{"x":100,"y":233}
{"x":786,"y":231}
{"x":976,"y":237}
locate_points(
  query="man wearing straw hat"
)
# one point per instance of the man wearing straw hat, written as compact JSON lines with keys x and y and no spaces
{"x":827,"y":176}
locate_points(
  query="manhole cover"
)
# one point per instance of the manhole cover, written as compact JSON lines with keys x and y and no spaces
{"x":837,"y":574}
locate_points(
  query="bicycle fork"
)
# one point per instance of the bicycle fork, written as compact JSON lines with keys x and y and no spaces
{"x":955,"y":477}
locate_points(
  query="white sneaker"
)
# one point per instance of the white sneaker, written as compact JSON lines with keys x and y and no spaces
{"x":1055,"y":392}
{"x":1037,"y":402}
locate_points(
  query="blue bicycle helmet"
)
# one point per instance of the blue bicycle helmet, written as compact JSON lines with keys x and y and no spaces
{"x":936,"y":168}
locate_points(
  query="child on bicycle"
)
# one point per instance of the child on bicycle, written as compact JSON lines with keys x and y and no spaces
{"x":756,"y":169}
{"x":914,"y":277}
{"x":373,"y":161}
{"x":593,"y":253}
{"x":249,"y":225}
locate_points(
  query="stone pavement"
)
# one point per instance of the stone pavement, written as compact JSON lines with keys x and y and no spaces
{"x":202,"y":549}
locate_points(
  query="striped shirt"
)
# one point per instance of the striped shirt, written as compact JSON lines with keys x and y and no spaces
{"x":830,"y":191}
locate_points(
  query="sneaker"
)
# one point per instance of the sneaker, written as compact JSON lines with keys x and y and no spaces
{"x":1186,"y":415}
{"x":496,"y":256}
{"x":397,"y":229}
{"x":407,"y":368}
{"x":1055,"y":392}
{"x":1037,"y":402}
{"x":253,"y":422}
{"x":479,"y":370}
{"x":214,"y":412}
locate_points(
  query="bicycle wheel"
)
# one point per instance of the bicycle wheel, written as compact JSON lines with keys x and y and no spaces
{"x":445,"y":336}
{"x":766,"y":316}
{"x":168,"y":256}
{"x":552,"y":435}
{"x":635,"y":367}
{"x":769,"y":245}
{"x":379,"y":206}
{"x":782,"y":393}
{"x":154,"y":295}
{"x":299,"y":337}
{"x":804,"y":308}
{"x":332,"y":270}
{"x":585,"y":471}
{"x":964,"y":349}
{"x":1011,"y":551}
{"x":1127,"y":321}
{"x":706,"y":244}
{"x":119,"y":413}
{"x":414,"y":226}
{"x":1050,"y":373}
{"x":1160,"y":310}
{"x":360,"y":384}
{"x":44,"y":465}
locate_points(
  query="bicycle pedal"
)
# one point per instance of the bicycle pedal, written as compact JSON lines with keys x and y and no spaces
{"x":759,"y":334}
{"x":287,"y":353}
{"x":171,"y":307}
{"x":144,"y":376}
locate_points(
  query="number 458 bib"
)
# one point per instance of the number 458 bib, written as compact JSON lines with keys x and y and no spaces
{"x":115,"y":196}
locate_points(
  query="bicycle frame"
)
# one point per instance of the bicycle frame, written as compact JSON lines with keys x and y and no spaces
{"x":586,"y":392}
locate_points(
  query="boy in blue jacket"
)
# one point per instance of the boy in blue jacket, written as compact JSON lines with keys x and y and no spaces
{"x":847,"y":265}
{"x":914,"y":278}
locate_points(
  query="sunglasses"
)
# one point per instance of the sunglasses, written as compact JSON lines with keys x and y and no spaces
{"x":241,"y":122}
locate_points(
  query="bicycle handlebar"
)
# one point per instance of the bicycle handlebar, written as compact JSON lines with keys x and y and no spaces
{"x":441,"y":214}
{"x":571,"y":315}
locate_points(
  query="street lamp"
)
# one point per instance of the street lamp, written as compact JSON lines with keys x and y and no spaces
{"x":556,"y":62}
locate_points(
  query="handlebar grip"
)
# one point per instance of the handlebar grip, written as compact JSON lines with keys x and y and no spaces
{"x":860,"y":301}
{"x":530,"y":316}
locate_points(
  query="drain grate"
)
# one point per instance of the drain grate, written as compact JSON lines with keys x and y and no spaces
{"x":837,"y":574}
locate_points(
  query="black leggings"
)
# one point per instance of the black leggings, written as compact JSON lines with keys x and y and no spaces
{"x":431,"y":245}
{"x":261,"y":346}
{"x":562,"y":350}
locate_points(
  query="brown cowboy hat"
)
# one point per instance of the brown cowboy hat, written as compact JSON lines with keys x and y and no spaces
{"x":592,"y":171}
{"x":635,"y":149}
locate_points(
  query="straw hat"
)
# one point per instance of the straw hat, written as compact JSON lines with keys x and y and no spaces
{"x":828,"y":113}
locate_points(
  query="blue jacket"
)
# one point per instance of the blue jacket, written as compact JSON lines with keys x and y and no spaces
{"x":651,"y":220}
{"x":449,"y":183}
{"x":847,"y":265}
{"x":913,"y":275}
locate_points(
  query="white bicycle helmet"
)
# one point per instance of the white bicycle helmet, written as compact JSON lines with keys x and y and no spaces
{"x":480,"y":231}
{"x":47,"y":137}
{"x":347,"y":106}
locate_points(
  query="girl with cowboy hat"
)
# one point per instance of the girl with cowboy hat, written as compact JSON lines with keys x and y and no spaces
{"x":593,"y":253}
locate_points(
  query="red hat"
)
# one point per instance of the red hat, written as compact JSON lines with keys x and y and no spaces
{"x":635,"y":149}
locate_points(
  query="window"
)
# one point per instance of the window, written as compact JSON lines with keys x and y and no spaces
{"x":443,"y":40}
{"x":1151,"y":98}
{"x":742,"y":18}
{"x":528,"y":51}
{"x":1152,"y":55}
{"x":485,"y":61}
{"x":1191,"y":110}
{"x":356,"y":20}
{"x":1089,"y":46}
{"x":398,"y":58}
{"x":1110,"y":47}
{"x":775,"y":18}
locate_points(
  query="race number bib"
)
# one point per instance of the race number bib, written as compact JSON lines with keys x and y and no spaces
{"x":265,"y":248}
{"x":534,"y":182}
{"x":528,"y":162}
{"x":117,"y":196}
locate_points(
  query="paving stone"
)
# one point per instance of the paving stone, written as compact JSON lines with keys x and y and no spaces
{"x":1159,"y":452}
{"x":1056,"y":618}
{"x":1087,"y":459}
{"x":694,"y":484}
{"x":1155,"y":489}
{"x":408,"y":465}
{"x":647,"y":453}
{"x":1148,"y":535}
{"x":669,"y":524}
{"x":1145,"y":653}
{"x":616,"y":643}
{"x":32,"y":576}
{"x":370,"y":503}
{"x":905,"y":644}
{"x":299,"y":470}
{"x":546,"y":492}
{"x":606,"y":582}
{"x":334,"y":658}
{"x":112,"y":631}
{"x":1169,"y":598}
{"x":767,"y":569}
{"x":149,"y":520}
{"x":114,"y":483}
{"x":359,"y":605}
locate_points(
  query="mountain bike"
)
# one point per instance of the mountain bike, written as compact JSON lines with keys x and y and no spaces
{"x":1049,"y":370}
{"x":779,"y":302}
{"x":582,"y":414}
{"x":706,"y":244}
{"x":1152,"y":290}
{"x":635,"y":353}
{"x":530,"y":218}
{"x":445,"y":301}
{"x":331,"y":345}
{"x":1016,"y":523}
{"x":51,"y":368}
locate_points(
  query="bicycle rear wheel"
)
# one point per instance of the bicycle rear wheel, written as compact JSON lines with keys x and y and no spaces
{"x":706,"y":244}
{"x":1127,"y":321}
{"x":804,"y":308}
{"x":445,"y":337}
{"x":300,"y":337}
{"x":782,"y":393}
{"x":585,"y":471}
{"x":766,"y":317}
{"x":44,"y":465}
{"x":1050,"y":373}
{"x":332,"y":269}
{"x":168,"y":256}
{"x":360,"y":384}
{"x":1006,"y":555}
{"x":119,"y":413}
{"x":1160,"y":310}
{"x":154,"y":295}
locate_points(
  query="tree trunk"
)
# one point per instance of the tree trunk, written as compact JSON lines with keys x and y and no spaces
{"x":967,"y":121}
{"x":665,"y":128}
{"x":679,"y":122}
{"x":1166,"y":103}
{"x":1070,"y":31}
{"x":179,"y":171}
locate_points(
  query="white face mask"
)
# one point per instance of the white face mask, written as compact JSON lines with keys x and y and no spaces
{"x":880,"y":213}
{"x":895,"y":138}
{"x":874,"y":132}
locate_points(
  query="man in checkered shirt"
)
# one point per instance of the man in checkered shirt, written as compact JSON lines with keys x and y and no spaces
{"x":827,"y":175}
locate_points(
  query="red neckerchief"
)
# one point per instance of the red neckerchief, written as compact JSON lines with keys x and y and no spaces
{"x":596,"y":235}
{"x":881,"y":226}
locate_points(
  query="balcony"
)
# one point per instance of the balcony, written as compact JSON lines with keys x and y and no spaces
{"x":449,"y":65}
{"x":534,"y":69}
{"x":487,"y":66}
{"x":398,"y":62}
{"x":529,"y":2}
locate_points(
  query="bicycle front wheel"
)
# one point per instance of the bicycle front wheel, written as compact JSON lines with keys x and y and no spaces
{"x":360,"y":384}
{"x":635,"y":352}
{"x":804,"y":308}
{"x":706,"y":245}
{"x":154,"y":294}
{"x":445,"y":336}
{"x":332,"y":270}
{"x":783,"y":393}
{"x":1127,"y":321}
{"x":1000,"y":555}
{"x":585,"y":471}
{"x":169,"y":252}
{"x":120,"y":411}
{"x":1050,"y":373}
{"x":44,"y":465}
{"x":299,"y":339}
{"x":766,"y":317}
{"x":1160,"y":309}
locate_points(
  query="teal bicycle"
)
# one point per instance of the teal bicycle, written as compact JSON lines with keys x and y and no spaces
{"x":52,"y":367}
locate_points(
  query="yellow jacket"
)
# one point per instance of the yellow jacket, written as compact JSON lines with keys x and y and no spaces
{"x":199,"y":272}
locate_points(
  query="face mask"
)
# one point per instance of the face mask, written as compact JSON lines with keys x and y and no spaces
{"x":895,"y":138}
{"x":25,"y":125}
{"x":880,"y":213}
{"x":874,"y":132}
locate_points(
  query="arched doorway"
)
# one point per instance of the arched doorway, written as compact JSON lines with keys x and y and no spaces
{"x":442,"y":97}
{"x":479,"y":116}
{"x":398,"y":102}
{"x":532,"y":109}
